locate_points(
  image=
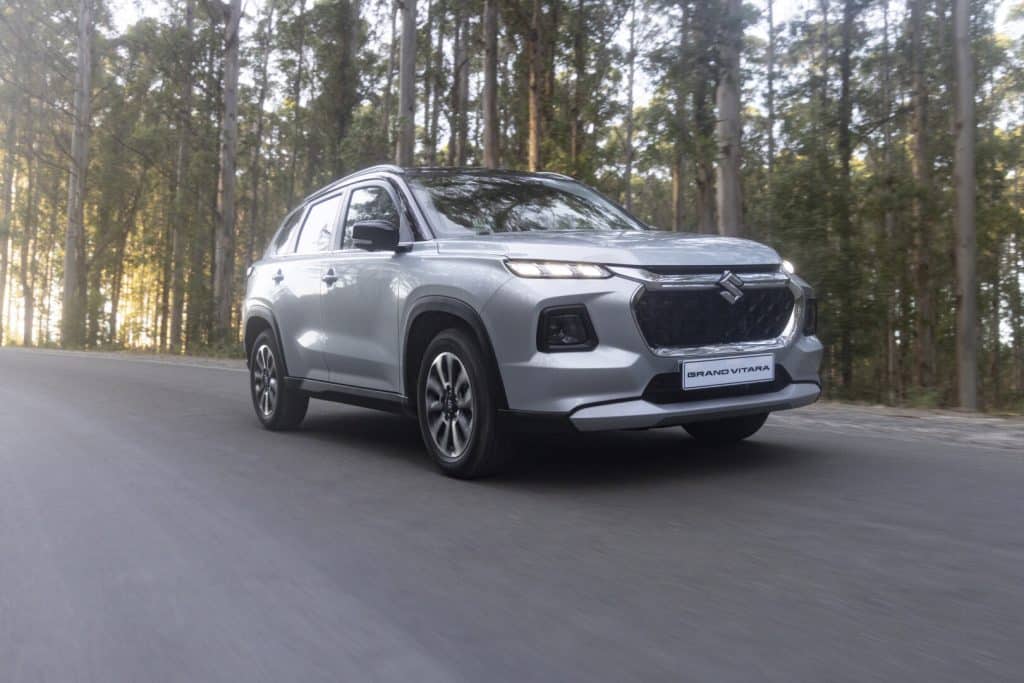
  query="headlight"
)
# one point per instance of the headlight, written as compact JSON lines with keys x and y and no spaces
{"x":787,"y":267}
{"x":558,"y":269}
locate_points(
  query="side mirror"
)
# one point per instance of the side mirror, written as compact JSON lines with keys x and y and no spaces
{"x":375,"y":235}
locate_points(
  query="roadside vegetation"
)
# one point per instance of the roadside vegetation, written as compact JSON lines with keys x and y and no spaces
{"x":147,"y":155}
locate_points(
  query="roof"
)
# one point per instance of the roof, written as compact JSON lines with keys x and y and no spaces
{"x":452,"y":170}
{"x":412,"y":171}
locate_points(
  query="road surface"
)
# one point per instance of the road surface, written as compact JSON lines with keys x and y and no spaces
{"x":151,"y":531}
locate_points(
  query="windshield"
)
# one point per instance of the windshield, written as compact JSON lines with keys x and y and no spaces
{"x":465,"y":203}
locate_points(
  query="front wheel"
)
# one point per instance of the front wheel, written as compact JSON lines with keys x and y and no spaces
{"x":726,"y":430}
{"x":277,"y":407}
{"x":456,"y":407}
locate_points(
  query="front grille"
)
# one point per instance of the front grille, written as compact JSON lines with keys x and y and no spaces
{"x":668,"y":388}
{"x":704,"y":270}
{"x":703,"y":318}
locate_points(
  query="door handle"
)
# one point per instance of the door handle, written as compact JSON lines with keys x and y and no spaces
{"x":329,"y":277}
{"x":278,"y":276}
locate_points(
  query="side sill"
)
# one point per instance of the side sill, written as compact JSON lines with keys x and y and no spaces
{"x":355,"y":396}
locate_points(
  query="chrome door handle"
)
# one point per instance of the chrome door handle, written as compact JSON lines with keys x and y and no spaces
{"x":278,"y":276}
{"x":329,"y":277}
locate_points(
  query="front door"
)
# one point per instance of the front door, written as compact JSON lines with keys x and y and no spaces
{"x":361,"y":299}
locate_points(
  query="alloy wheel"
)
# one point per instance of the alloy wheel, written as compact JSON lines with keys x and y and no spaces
{"x":264,"y":381}
{"x":450,"y":405}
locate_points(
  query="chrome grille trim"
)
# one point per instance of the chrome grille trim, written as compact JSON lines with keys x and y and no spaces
{"x":708,"y":280}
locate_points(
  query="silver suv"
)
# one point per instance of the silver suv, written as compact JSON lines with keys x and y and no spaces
{"x":476,"y":300}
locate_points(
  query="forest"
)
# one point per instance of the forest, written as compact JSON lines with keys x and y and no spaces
{"x":149,"y":151}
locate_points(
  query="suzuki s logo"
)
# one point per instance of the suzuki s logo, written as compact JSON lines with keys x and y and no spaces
{"x":731,"y":285}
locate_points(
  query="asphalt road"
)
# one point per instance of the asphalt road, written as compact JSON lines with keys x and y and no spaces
{"x":151,"y":531}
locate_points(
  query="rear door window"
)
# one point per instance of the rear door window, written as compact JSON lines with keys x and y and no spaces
{"x":318,"y":228}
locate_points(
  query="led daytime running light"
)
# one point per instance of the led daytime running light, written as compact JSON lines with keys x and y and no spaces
{"x":558,"y":269}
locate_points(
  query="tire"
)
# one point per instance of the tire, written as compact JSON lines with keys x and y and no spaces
{"x":456,"y":407}
{"x":277,"y":407}
{"x":727,"y":430}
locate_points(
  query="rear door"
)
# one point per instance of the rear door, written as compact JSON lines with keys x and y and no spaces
{"x":299,"y":290}
{"x":360,"y":303}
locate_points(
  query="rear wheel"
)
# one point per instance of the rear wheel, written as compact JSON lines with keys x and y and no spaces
{"x":277,"y":407}
{"x":726,"y":430}
{"x":456,"y":407}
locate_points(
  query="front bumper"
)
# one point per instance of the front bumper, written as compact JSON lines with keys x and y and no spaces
{"x":604,"y":388}
{"x":641,"y":414}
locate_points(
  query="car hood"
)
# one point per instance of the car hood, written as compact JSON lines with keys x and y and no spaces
{"x":627,"y":248}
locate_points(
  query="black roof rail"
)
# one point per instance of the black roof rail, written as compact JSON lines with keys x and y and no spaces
{"x":399,"y":170}
{"x":379,"y":168}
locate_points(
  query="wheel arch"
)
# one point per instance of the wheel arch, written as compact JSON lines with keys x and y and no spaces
{"x":426,"y":318}
{"x":259,"y":320}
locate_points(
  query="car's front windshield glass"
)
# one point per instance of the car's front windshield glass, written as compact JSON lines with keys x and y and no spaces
{"x":467,"y":203}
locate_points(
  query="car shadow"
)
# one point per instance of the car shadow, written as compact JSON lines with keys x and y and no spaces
{"x":373,"y":432}
{"x":633,"y":457}
{"x":575,"y":460}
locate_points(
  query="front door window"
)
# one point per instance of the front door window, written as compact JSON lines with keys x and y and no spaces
{"x":366,"y":204}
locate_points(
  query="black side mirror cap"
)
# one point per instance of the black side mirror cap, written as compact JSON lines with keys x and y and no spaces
{"x":375,"y":235}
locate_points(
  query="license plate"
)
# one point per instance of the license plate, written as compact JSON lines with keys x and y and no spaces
{"x":722,"y":372}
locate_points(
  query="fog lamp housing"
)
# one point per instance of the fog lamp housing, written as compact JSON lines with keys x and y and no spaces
{"x":565,"y":328}
{"x":810,"y":317}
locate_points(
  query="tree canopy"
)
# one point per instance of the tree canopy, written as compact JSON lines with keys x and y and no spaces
{"x":130,"y":209}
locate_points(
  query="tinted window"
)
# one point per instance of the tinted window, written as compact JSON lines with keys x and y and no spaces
{"x":368,"y":203}
{"x":286,"y":231}
{"x":465,"y":203}
{"x":319,"y":226}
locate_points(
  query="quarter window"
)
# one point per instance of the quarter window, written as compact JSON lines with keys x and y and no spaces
{"x":319,"y":226}
{"x":287,"y":228}
{"x":367,"y":204}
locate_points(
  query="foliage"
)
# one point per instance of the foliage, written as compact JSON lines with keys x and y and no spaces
{"x":319,"y":99}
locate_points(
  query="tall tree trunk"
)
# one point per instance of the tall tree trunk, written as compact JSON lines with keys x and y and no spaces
{"x":224,"y":247}
{"x":49,"y":248}
{"x":407,"y":86}
{"x":181,"y":171}
{"x":166,"y":274}
{"x":579,"y":59}
{"x":428,"y":72}
{"x":703,"y":120}
{"x":630,"y":84}
{"x":127,"y":226}
{"x":769,"y":222}
{"x":438,"y":87}
{"x":965,"y":183}
{"x":255,"y":164}
{"x":729,"y":189}
{"x":679,"y":144}
{"x":888,"y":240}
{"x":845,"y":225}
{"x":6,"y":187}
{"x":296,"y":96}
{"x":1016,"y":299}
{"x":920,"y":168}
{"x":28,"y":234}
{"x":491,"y":153}
{"x":457,"y":152}
{"x":535,"y":66}
{"x":73,"y":314}
{"x":389,"y":85}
